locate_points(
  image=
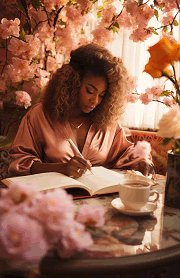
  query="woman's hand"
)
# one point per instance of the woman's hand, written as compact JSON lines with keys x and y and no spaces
{"x":77,"y":166}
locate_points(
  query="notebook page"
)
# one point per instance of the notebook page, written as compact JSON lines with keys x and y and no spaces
{"x":101,"y":179}
{"x":47,"y":181}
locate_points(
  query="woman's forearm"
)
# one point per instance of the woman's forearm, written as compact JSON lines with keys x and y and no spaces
{"x":38,"y":167}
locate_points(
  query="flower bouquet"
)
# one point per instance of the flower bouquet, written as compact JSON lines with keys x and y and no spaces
{"x":163,"y":57}
{"x":32,"y":223}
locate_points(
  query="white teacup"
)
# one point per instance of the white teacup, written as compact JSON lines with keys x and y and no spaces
{"x":135,"y":194}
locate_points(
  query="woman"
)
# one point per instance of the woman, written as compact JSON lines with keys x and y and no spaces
{"x":83,"y":101}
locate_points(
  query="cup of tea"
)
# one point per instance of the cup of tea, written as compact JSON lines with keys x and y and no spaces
{"x":135,"y":194}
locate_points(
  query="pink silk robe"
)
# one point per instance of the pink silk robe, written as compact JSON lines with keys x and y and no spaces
{"x":38,"y":139}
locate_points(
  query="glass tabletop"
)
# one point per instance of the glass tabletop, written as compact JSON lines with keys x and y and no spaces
{"x":125,"y":235}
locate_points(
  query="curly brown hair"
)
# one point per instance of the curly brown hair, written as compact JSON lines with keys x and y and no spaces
{"x":61,"y":93}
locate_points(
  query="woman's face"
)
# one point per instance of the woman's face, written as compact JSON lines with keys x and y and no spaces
{"x":92,"y":91}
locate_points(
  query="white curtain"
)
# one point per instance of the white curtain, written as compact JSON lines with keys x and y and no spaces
{"x":135,"y":56}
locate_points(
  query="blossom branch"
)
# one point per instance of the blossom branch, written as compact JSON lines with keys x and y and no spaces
{"x":23,"y":2}
{"x":56,"y":17}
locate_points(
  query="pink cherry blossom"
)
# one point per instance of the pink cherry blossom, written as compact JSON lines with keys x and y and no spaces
{"x":9,"y":27}
{"x":167,"y":101}
{"x":103,"y":36}
{"x":133,"y":98}
{"x":51,"y":64}
{"x":108,"y":14}
{"x":19,"y":192}
{"x":33,"y":46}
{"x":141,"y":34}
{"x":146,"y":98}
{"x":90,"y":216}
{"x":5,"y":205}
{"x":155,"y":91}
{"x":125,"y":21}
{"x":23,"y":99}
{"x":17,"y":47}
{"x":142,"y":149}
{"x":167,"y":19}
{"x":21,"y":236}
{"x":46,"y":32}
{"x":76,"y":240}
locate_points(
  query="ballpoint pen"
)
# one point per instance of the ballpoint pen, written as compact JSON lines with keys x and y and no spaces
{"x":74,"y":146}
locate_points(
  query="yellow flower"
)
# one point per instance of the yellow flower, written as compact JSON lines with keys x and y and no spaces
{"x":161,"y":53}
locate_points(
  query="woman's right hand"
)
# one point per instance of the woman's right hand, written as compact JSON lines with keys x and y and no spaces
{"x":77,"y":166}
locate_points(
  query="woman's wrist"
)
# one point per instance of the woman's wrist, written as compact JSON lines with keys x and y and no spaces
{"x":38,"y":167}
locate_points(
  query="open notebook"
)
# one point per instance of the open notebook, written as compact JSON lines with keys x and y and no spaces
{"x":102,"y":181}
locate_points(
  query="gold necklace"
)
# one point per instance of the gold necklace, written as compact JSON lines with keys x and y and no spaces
{"x":78,"y":125}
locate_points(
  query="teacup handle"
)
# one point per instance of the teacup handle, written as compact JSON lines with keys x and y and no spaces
{"x":157,"y":195}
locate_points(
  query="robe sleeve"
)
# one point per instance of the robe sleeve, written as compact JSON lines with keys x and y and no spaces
{"x":26,"y":148}
{"x":121,"y":153}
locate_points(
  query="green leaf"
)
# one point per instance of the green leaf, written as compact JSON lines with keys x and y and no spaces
{"x":116,"y":24}
{"x":165,"y":93}
{"x":19,"y":87}
{"x":62,"y":22}
{"x":94,"y":1}
{"x":154,"y":32}
{"x":3,"y":44}
{"x":114,"y":30}
{"x":37,"y":4}
{"x":156,"y":13}
{"x":165,"y":29}
{"x":175,"y":23}
{"x":0,"y":62}
{"x":82,"y":31}
{"x":26,"y":26}
{"x":165,"y":141}
{"x":22,"y":35}
{"x":11,"y":89}
{"x":100,"y":8}
{"x":30,"y":80}
{"x":105,"y":3}
{"x":98,"y":14}
{"x":140,"y":2}
{"x":20,"y":8}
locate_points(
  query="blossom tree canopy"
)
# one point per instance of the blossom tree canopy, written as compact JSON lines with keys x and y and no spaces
{"x":37,"y":37}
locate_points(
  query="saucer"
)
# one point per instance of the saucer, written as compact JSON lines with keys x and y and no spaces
{"x":147,"y":209}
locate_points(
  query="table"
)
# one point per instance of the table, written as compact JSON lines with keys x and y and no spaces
{"x":126,"y":246}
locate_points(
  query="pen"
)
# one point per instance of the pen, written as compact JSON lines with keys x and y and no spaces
{"x":74,"y":146}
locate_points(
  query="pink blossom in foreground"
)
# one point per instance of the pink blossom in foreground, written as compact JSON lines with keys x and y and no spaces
{"x":33,"y":46}
{"x":125,"y":21}
{"x":21,"y":236}
{"x":19,"y":192}
{"x":5,"y":205}
{"x":142,"y":149}
{"x":167,"y":101}
{"x":23,"y":99}
{"x":90,"y":216}
{"x":9,"y":27}
{"x":75,"y":240}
